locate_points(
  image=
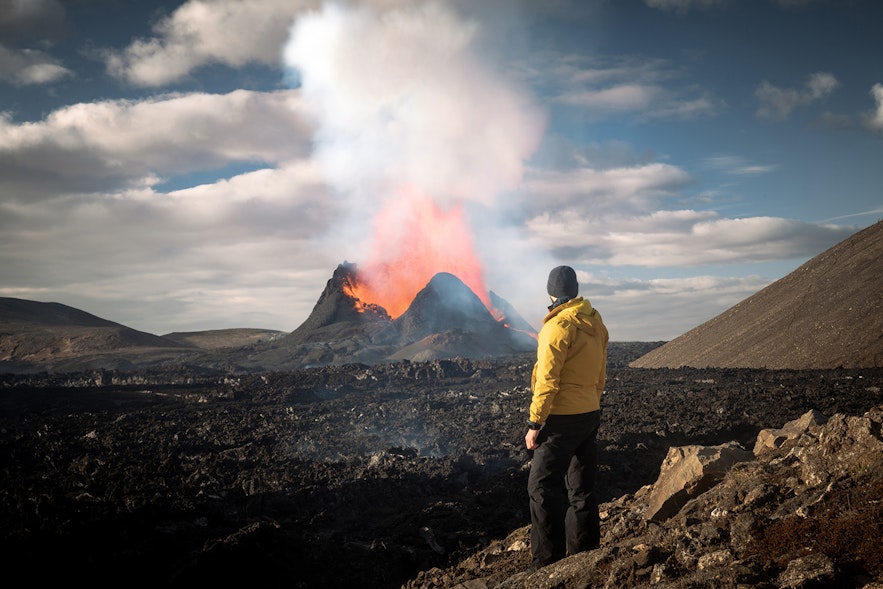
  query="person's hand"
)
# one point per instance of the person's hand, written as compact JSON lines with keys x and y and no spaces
{"x":530,"y":439}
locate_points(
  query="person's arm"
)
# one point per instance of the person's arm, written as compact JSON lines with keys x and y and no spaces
{"x":551,"y":351}
{"x":552,"y":348}
{"x":602,"y":377}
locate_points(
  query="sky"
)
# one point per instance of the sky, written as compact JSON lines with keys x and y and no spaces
{"x":180,"y":166}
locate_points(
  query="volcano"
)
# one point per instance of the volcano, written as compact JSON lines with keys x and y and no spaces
{"x":445,"y":319}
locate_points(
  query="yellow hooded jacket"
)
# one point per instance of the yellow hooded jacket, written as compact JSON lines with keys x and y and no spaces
{"x":571,"y":368}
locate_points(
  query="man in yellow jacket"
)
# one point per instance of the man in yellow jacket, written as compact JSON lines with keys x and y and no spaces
{"x":565,"y":411}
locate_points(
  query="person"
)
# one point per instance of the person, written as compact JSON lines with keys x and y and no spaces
{"x":565,"y":412}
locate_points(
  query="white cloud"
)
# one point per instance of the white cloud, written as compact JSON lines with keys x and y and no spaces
{"x":587,"y":191}
{"x":737,"y":166}
{"x":626,"y":97}
{"x":779,"y":103}
{"x":28,"y":67}
{"x":205,"y":32}
{"x":199,"y":33}
{"x":24,"y":26}
{"x":90,"y":147}
{"x":874,"y":120}
{"x":232,"y":253}
{"x":623,"y":217}
{"x":81,"y":223}
{"x":753,"y":170}
{"x":687,"y":303}
{"x":643,"y":88}
{"x":402,"y":98}
{"x":681,"y":238}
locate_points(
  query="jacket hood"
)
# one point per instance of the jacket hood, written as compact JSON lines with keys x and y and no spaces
{"x":579,"y":312}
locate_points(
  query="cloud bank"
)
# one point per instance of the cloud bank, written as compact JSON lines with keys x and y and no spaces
{"x":401,"y":98}
{"x":167,"y":211}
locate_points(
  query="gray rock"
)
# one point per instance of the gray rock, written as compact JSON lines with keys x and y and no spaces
{"x":688,"y":471}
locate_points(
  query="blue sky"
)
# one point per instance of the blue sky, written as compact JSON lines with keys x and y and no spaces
{"x":190,"y":165}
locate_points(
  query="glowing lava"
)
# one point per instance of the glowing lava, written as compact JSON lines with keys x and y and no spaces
{"x":414,"y":239}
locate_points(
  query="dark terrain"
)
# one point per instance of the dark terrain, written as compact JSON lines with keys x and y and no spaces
{"x":400,"y":473}
{"x":365,"y":451}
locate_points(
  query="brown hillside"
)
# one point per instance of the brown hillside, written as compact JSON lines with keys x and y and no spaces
{"x":224,"y":338}
{"x":34,"y":332}
{"x":828,"y":313}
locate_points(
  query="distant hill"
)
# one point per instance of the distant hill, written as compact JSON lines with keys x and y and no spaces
{"x":216,"y":339}
{"x":828,"y":313}
{"x":45,"y":335}
{"x":37,"y":336}
{"x":32,"y":330}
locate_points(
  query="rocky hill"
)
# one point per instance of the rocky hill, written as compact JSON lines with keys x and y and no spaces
{"x":51,"y":337}
{"x":802,"y":509}
{"x":825,"y":314}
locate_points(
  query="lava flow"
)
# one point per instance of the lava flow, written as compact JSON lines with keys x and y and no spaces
{"x":414,"y":239}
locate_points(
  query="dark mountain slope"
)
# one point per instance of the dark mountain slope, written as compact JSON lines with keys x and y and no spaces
{"x":445,"y":304}
{"x":33,"y":332}
{"x":828,"y":313}
{"x":339,"y":310}
{"x":446,"y":320}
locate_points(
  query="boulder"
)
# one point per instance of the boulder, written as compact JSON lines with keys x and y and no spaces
{"x":689,"y":471}
{"x":770,"y":439}
{"x":856,"y":441}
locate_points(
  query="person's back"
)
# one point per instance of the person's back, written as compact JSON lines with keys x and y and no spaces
{"x":574,"y":335}
{"x":565,"y":411}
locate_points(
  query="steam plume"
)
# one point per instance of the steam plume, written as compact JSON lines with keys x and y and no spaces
{"x":404,"y":105}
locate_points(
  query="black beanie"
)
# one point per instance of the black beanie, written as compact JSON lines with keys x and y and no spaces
{"x":562,"y":282}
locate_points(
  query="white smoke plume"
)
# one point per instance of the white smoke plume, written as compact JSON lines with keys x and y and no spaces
{"x":402,"y":99}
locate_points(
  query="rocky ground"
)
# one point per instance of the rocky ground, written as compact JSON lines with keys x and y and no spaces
{"x":414,"y":474}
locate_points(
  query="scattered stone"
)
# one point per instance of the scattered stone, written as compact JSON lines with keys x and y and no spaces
{"x":714,"y":559}
{"x":688,"y":471}
{"x":770,"y":439}
{"x":814,"y":570}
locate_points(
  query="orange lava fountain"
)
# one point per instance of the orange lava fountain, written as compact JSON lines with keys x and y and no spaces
{"x":414,"y":239}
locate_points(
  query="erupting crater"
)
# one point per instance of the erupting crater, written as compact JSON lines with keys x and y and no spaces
{"x":444,"y":319}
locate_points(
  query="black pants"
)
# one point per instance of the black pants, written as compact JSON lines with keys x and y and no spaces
{"x":563,"y":506}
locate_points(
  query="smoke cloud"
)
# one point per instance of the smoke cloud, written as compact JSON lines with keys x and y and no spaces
{"x":401,"y":99}
{"x":406,"y":107}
